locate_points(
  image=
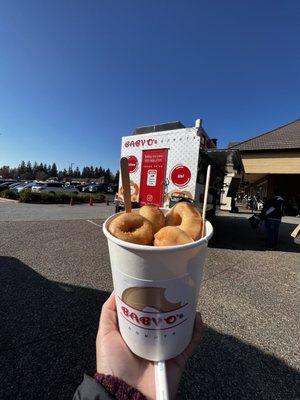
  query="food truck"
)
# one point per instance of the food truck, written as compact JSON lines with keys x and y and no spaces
{"x":167,"y":163}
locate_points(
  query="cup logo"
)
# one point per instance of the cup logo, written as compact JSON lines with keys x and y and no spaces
{"x":137,"y":301}
{"x":147,"y":296}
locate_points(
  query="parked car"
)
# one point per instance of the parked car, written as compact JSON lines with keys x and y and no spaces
{"x":81,"y":188}
{"x":112,"y":188}
{"x":54,"y":187}
{"x":6,"y":185}
{"x":7,"y":181}
{"x":101,"y":187}
{"x":25,"y":186}
{"x":87,"y":187}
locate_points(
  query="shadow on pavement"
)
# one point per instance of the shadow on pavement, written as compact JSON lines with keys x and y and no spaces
{"x":235,"y":233}
{"x":47,"y":341}
{"x":47,"y":333}
{"x":224,"y":367}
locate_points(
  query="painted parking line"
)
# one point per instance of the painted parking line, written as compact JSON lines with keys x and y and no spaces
{"x":94,"y":223}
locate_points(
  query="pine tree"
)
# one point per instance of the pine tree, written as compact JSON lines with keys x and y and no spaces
{"x":108,"y":175}
{"x":49,"y":170}
{"x":64,"y":173}
{"x":77,"y":173}
{"x":34,"y":169}
{"x":22,"y":168}
{"x":116,"y":179}
{"x":92,"y":172}
{"x":53,"y":171}
{"x":29,"y":172}
{"x":101,"y":172}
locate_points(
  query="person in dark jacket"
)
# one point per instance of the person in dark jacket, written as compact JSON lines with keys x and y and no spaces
{"x":272,"y":213}
{"x":121,"y":374}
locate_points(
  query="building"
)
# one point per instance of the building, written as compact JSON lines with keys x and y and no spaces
{"x":272,"y":161}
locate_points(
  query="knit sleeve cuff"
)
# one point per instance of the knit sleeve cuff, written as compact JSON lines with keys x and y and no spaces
{"x":118,"y":388}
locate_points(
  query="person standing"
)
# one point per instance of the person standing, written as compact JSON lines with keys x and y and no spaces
{"x":272,"y":213}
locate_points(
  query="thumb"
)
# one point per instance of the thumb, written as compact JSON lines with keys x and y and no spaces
{"x":108,"y":319}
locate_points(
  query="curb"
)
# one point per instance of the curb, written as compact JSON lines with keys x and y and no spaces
{"x":3,"y":200}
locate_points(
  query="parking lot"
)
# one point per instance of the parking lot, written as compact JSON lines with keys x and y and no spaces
{"x":55,"y":275}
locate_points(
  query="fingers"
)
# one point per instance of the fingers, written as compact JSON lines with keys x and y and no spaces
{"x":108,"y":319}
{"x":197,"y":335}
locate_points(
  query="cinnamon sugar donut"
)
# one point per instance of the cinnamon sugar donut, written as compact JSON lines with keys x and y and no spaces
{"x":186,"y":217}
{"x":132,"y":227}
{"x":171,"y":236}
{"x":154,"y":215}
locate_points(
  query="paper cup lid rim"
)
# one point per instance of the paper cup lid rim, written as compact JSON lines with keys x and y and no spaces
{"x":135,"y":246}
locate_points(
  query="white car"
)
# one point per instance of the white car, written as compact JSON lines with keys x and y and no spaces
{"x":54,"y":187}
{"x":24,"y":186}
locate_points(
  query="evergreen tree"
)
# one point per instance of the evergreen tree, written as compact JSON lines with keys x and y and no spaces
{"x":101,"y":172}
{"x":108,"y":175}
{"x":70,"y":172}
{"x":29,"y":172}
{"x":92,"y":172}
{"x":64,"y":173}
{"x":77,"y":173}
{"x":53,"y":170}
{"x":116,"y":179}
{"x":22,"y":168}
{"x":60,"y":175}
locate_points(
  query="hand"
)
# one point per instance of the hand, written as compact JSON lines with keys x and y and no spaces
{"x":115,"y":358}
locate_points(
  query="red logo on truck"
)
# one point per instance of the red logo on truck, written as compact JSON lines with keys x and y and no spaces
{"x":140,"y":143}
{"x":132,"y":164}
{"x":180,"y":175}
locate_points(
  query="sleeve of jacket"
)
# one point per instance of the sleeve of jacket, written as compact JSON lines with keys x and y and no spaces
{"x":90,"y":389}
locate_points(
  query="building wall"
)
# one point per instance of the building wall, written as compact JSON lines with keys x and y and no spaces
{"x":225,"y":201}
{"x":272,"y":163}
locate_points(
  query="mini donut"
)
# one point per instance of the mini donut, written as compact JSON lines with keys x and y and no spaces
{"x":154,"y":215}
{"x":132,"y":227}
{"x":171,"y":236}
{"x":186,"y":217}
{"x":134,"y":198}
{"x":134,"y":189}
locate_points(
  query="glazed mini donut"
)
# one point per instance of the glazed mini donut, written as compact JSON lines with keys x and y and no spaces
{"x":132,"y":227}
{"x":134,"y":198}
{"x":186,"y":217}
{"x":171,"y":236}
{"x":154,"y":215}
{"x":134,"y":189}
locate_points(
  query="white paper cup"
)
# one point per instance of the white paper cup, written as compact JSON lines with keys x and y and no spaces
{"x":156,"y":291}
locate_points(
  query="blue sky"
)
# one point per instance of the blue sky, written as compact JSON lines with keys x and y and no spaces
{"x":75,"y":76}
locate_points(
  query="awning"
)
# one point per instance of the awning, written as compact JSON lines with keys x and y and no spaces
{"x":225,"y":157}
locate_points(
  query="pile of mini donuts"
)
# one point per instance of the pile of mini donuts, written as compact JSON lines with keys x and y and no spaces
{"x":149,"y":226}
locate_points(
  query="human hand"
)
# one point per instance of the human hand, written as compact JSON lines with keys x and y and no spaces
{"x":114,"y":357}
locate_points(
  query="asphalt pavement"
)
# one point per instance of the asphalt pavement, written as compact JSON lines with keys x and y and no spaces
{"x":10,"y":211}
{"x":55,"y":275}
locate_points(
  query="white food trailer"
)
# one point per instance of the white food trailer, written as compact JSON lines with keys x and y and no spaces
{"x":167,"y":163}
